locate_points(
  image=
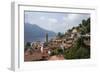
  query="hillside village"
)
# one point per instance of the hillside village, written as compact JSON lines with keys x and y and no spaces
{"x":73,"y":44}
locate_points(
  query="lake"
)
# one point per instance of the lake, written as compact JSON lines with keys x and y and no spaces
{"x":41,"y":39}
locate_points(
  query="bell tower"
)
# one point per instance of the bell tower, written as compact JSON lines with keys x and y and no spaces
{"x":46,"y":37}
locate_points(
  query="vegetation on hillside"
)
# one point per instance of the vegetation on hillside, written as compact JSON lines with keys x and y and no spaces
{"x":79,"y":50}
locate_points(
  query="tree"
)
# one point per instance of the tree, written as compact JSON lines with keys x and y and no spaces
{"x":60,"y":35}
{"x":57,"y":51}
{"x":84,"y":22}
{"x":73,"y":28}
{"x":80,"y":25}
{"x":88,"y":25}
{"x":69,"y":31}
{"x":85,"y":26}
{"x":27,"y":45}
{"x":60,"y":51}
{"x":78,"y":51}
{"x":82,"y":53}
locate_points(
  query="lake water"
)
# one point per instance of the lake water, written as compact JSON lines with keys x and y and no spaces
{"x":41,"y":39}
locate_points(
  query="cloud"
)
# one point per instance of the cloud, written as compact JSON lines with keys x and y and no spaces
{"x":65,"y":18}
{"x":42,"y":18}
{"x":52,"y":20}
{"x":74,"y":19}
{"x":72,"y":16}
{"x":57,"y":22}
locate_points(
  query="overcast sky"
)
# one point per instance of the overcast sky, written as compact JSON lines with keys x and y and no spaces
{"x":57,"y":22}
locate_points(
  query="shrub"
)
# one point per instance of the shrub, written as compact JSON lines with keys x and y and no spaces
{"x":78,"y":51}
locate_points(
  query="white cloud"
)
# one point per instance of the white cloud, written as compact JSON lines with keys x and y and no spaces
{"x":42,"y":18}
{"x":72,"y":16}
{"x":65,"y":18}
{"x":52,"y":20}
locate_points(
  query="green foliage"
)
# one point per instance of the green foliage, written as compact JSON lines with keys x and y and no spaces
{"x":57,"y":51}
{"x":27,"y":45}
{"x":60,"y":51}
{"x":82,"y":53}
{"x":70,"y":30}
{"x":60,"y":35}
{"x":85,"y":26}
{"x":54,"y":52}
{"x":78,"y":51}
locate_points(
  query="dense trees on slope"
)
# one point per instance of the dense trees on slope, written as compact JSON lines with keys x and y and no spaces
{"x":79,"y":50}
{"x":85,"y":26}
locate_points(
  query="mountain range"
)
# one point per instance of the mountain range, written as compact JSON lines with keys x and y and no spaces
{"x":33,"y":32}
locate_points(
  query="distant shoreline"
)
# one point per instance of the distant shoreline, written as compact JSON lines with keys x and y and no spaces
{"x":41,"y":39}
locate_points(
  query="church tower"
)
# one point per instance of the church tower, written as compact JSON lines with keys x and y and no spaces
{"x":46,"y":37}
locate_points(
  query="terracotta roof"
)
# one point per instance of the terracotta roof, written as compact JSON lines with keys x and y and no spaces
{"x":55,"y":57}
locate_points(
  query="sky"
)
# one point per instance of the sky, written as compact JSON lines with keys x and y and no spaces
{"x":54,"y":21}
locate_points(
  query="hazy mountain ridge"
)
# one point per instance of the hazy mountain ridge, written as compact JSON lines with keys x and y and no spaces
{"x":33,"y":32}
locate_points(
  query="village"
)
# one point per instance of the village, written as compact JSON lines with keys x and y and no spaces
{"x":54,"y":49}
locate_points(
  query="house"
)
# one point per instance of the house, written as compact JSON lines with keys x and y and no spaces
{"x":37,"y":52}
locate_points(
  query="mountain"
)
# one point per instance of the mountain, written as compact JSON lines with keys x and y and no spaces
{"x":33,"y":32}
